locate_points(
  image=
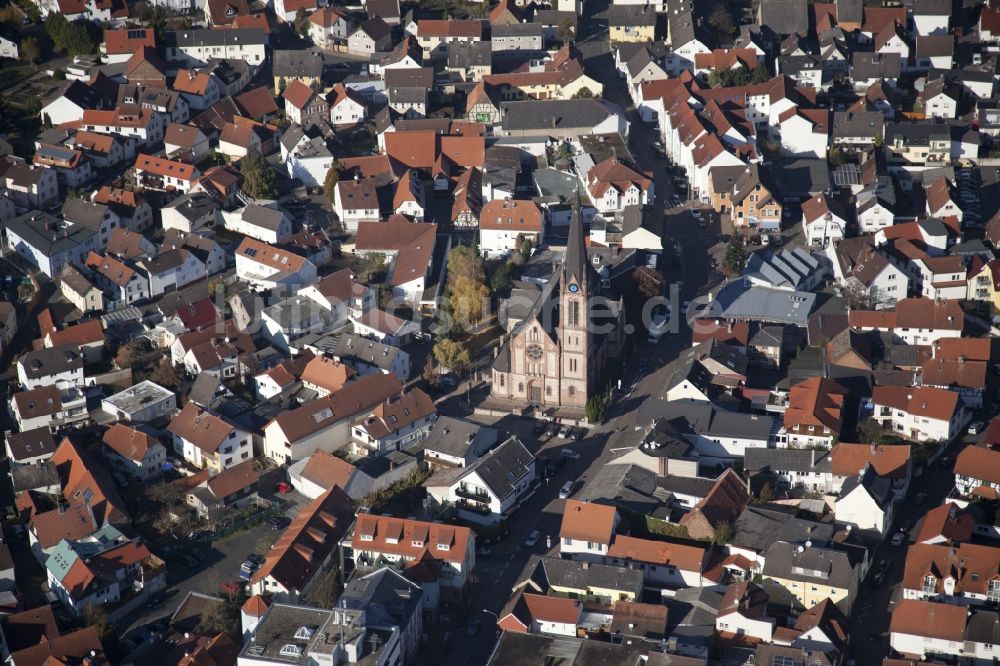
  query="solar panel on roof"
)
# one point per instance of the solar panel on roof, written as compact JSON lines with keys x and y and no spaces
{"x":56,"y":152}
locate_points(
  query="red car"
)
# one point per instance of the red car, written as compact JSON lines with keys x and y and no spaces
{"x":284,"y":488}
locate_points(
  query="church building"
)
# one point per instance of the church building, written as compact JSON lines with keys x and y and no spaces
{"x":556,"y":356}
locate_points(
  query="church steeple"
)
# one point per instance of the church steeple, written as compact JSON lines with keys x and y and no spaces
{"x":575,"y":266}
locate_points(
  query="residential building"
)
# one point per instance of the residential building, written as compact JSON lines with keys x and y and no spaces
{"x":976,"y":472}
{"x":922,"y":413}
{"x":587,"y":531}
{"x":305,"y":549}
{"x":207,"y":440}
{"x":395,"y":424}
{"x":134,"y":451}
{"x":407,"y":542}
{"x":489,"y":489}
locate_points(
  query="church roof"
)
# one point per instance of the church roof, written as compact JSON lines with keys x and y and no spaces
{"x":575,"y":266}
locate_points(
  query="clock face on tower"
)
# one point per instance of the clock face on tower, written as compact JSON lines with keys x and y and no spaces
{"x":534,"y":352}
{"x":574,"y":288}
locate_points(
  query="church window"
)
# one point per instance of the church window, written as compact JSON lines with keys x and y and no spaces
{"x":548,"y":391}
{"x":574,"y":313}
{"x":572,"y":391}
{"x":502,"y":377}
{"x":520,"y":387}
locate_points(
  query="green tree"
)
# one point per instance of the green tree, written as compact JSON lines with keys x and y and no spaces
{"x":736,"y":255}
{"x":156,"y":17}
{"x":721,"y":20}
{"x":464,"y":261}
{"x":56,"y":27}
{"x":501,"y":277}
{"x":584,"y":93}
{"x":595,"y":408}
{"x":566,"y":30}
{"x":94,"y":615}
{"x":10,"y":16}
{"x":30,"y":50}
{"x":648,"y":282}
{"x":259,"y":180}
{"x":221,"y":618}
{"x":467,"y":300}
{"x":331,"y":180}
{"x":73,"y":38}
{"x":452,"y":354}
{"x":302,"y":22}
{"x":836,"y":156}
{"x":165,"y":374}
{"x":870,"y":431}
{"x":723,"y":534}
{"x":760,"y":74}
{"x":164,"y":494}
{"x":430,"y":372}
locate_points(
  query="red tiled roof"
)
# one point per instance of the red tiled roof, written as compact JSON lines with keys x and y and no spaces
{"x":923,"y":401}
{"x":326,"y":469}
{"x":929,"y":619}
{"x":163,"y":167}
{"x":513,"y":215}
{"x":888,"y":460}
{"x":658,"y":553}
{"x":129,"y":442}
{"x":946,"y":522}
{"x":384,"y":534}
{"x":816,"y":401}
{"x":584,"y":521}
{"x":304,"y":546}
{"x":298,"y":94}
{"x":980,"y":463}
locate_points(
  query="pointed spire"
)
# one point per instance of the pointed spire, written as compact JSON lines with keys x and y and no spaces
{"x":575,"y":265}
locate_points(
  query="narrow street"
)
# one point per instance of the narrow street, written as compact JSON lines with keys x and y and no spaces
{"x":544,"y":511}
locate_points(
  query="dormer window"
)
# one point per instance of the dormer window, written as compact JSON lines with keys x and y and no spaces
{"x":304,"y":633}
{"x":290,"y":650}
{"x":444,"y":546}
{"x":929,"y":585}
{"x":417,"y":543}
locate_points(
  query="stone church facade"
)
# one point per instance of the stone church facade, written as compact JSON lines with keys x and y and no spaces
{"x":556,"y":356}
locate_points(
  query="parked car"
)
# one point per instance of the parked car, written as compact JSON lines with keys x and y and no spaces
{"x":571,"y":454}
{"x":278,"y":522}
{"x":945,"y":461}
{"x":897,"y":539}
{"x":552,"y":429}
{"x":539,"y":428}
{"x":577,"y":434}
{"x":447,"y":381}
{"x":189,"y":561}
{"x":247,"y":569}
{"x":482,"y":551}
{"x":197,"y":534}
{"x":566,"y":490}
{"x":532,"y":539}
{"x":975,"y":428}
{"x":473,"y":628}
{"x":564,"y":431}
{"x":553,"y":464}
{"x":156,"y":600}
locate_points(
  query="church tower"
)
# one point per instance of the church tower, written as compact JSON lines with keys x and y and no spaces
{"x":577,"y":285}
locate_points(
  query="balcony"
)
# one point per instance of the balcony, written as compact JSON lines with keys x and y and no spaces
{"x":481,"y":509}
{"x":475,"y":495}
